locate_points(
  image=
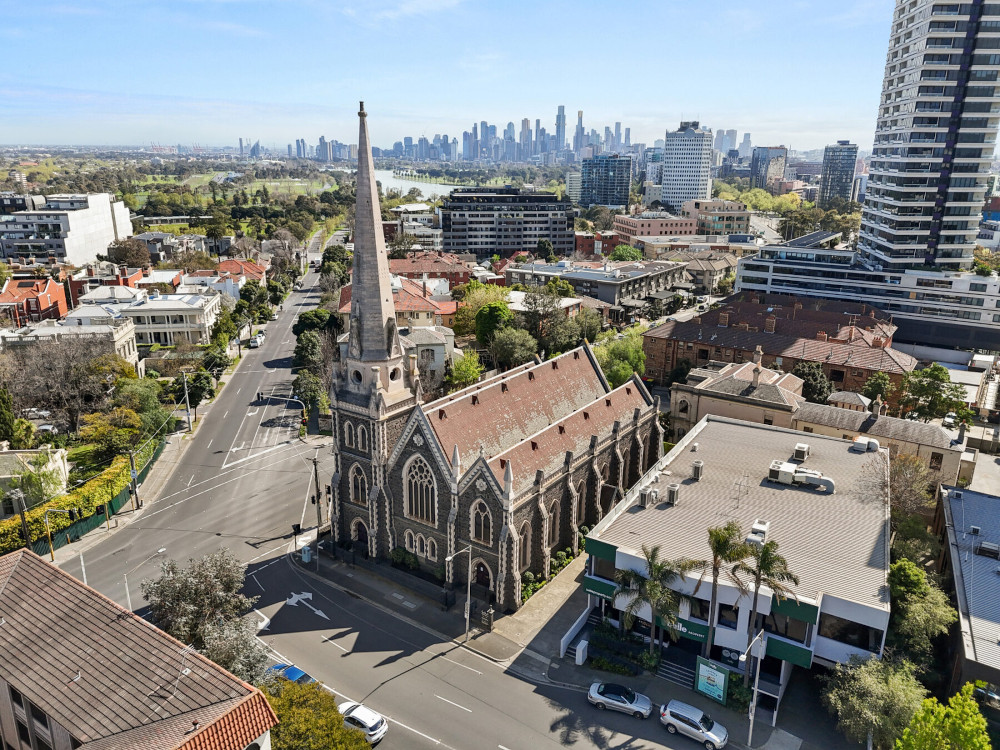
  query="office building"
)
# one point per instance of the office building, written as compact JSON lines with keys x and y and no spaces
{"x":69,"y":228}
{"x":767,"y":165}
{"x":745,"y":147}
{"x":561,"y":128}
{"x":605,"y":180}
{"x":504,"y":221}
{"x":686,"y":166}
{"x":934,"y":138}
{"x":579,"y":136}
{"x":837,"y":177}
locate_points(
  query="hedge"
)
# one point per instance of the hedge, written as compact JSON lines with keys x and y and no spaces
{"x":86,"y":498}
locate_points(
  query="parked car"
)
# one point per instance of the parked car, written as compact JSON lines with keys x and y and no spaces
{"x":359,"y":716}
{"x":255,"y":342}
{"x":682,"y":718}
{"x":274,"y":314}
{"x":620,"y":698}
{"x":949,"y":419}
{"x":290,"y":672}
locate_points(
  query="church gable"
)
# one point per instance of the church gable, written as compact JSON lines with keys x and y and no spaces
{"x":546,"y":450}
{"x":417,"y":435}
{"x":500,"y":412}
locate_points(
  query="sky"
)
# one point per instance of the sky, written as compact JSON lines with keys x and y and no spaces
{"x":802,"y":73}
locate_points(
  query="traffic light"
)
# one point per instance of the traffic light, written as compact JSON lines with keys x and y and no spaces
{"x":73,"y":515}
{"x":99,"y":510}
{"x":296,"y":529}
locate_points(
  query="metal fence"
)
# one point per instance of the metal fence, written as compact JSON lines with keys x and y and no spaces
{"x":77,"y":529}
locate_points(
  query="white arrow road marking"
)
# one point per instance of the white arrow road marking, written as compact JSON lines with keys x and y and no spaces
{"x":237,"y":448}
{"x":304,"y":598}
{"x":262,"y":626}
{"x":252,"y":412}
{"x":452,"y":703}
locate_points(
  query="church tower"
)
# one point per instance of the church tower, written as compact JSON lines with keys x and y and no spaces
{"x":376,"y":384}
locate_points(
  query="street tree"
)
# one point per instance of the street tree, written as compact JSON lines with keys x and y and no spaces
{"x":958,"y":726}
{"x":620,"y":358}
{"x":465,"y":372}
{"x":490,"y":318}
{"x":6,"y":414}
{"x":188,"y":602}
{"x":224,"y":329}
{"x":309,"y":388}
{"x":113,"y":432}
{"x":129,"y":252}
{"x":215,"y":360}
{"x":765,"y":566}
{"x":626,"y":252}
{"x":312,"y":320}
{"x":877,"y":386}
{"x":275,"y":292}
{"x":816,"y":387}
{"x":308,"y":351}
{"x":653,"y":589}
{"x":308,"y":718}
{"x":930,"y":394}
{"x":476,"y":296}
{"x":727,"y":546}
{"x":234,"y":645}
{"x":512,"y":346}
{"x":873,"y":698}
{"x":256,"y":298}
{"x":199,"y":389}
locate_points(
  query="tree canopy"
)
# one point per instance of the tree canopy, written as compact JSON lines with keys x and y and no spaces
{"x":465,"y":371}
{"x":816,"y":388}
{"x":621,"y":355}
{"x":625,"y":252}
{"x":308,"y":719}
{"x":491,"y":317}
{"x":877,"y":385}
{"x":957,"y":726}
{"x":930,"y":394}
{"x":512,"y":346}
{"x":129,"y":252}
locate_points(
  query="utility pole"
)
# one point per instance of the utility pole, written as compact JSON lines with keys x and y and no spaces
{"x":18,"y":497}
{"x":187,"y":401}
{"x":319,"y":506}
{"x":135,"y":481}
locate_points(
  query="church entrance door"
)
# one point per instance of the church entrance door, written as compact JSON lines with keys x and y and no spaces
{"x":361,"y":538}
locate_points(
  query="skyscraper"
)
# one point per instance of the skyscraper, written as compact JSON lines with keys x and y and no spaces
{"x":605,"y":180}
{"x":730,"y":141}
{"x":579,"y":138}
{"x":934,"y":137}
{"x":837,"y":178}
{"x":745,"y":147}
{"x":687,"y":165}
{"x":768,"y":163}
{"x":561,"y":128}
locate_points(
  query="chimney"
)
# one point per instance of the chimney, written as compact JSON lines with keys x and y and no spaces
{"x":821,"y":336}
{"x":743,"y":325}
{"x":756,"y":376}
{"x":758,"y":355}
{"x":90,"y":272}
{"x":724,"y":320}
{"x":769,"y":324}
{"x":961,"y":432}
{"x":878,"y":342}
{"x":123,"y":271}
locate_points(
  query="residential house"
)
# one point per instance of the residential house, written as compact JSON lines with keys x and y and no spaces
{"x":106,"y":328}
{"x":421,"y":266}
{"x":103,"y":273}
{"x":15,"y":463}
{"x":240,"y":267}
{"x":79,"y":671}
{"x":24,"y":301}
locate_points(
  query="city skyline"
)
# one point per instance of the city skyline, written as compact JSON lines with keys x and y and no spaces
{"x":282,"y":88}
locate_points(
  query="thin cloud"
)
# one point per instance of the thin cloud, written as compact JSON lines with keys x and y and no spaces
{"x":414,"y":8}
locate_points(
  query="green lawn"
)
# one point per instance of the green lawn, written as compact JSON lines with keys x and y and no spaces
{"x":86,"y":462}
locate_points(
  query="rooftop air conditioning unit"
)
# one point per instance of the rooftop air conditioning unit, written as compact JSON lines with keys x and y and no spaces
{"x":644,"y":498}
{"x":974,"y":530}
{"x":697,"y":469}
{"x":673,"y":493}
{"x":956,"y":494}
{"x":802,"y":451}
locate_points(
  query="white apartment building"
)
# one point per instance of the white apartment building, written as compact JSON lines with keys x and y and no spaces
{"x":165,"y":319}
{"x":104,"y":326}
{"x":687,"y":166}
{"x":70,"y":228}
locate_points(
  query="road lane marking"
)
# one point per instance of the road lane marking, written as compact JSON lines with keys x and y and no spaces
{"x":226,"y":414}
{"x":210,"y":442}
{"x":190,"y":480}
{"x":452,"y":703}
{"x":258,"y":582}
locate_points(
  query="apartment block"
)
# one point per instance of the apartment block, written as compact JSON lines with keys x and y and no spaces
{"x":653,"y":224}
{"x":686,"y":167}
{"x":717,"y":216}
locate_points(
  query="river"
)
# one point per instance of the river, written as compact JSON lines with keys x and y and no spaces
{"x":391,"y":182}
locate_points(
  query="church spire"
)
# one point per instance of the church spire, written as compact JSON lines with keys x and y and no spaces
{"x":373,"y":336}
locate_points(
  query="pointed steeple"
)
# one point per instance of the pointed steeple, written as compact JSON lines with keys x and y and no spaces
{"x":373,"y":336}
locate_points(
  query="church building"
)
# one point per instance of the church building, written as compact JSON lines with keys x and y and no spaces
{"x":510,"y":467}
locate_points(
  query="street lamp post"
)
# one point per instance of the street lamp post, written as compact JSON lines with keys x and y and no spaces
{"x":73,"y":514}
{"x":128,"y":595}
{"x":468,"y":586}
{"x":187,"y":401}
{"x":756,"y":680}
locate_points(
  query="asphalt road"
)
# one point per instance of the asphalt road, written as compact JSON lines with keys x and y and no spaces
{"x":243,"y":480}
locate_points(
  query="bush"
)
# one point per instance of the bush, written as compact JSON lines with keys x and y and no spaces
{"x":403,"y":558}
{"x":738,"y":696}
{"x":649,"y":661}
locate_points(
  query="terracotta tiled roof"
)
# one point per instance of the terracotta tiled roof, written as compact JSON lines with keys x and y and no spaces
{"x":243,"y":267}
{"x":407,"y":296}
{"x":428,"y":263}
{"x":110,"y":678}
{"x":501,"y":412}
{"x":546,"y":449}
{"x":19,"y":290}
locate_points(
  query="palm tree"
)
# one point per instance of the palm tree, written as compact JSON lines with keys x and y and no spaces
{"x":652,"y":589}
{"x":728,"y":546}
{"x":767,"y":568}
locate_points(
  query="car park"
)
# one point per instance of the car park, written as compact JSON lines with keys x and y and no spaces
{"x":358,"y":716}
{"x":685,"y":719}
{"x":620,"y":698}
{"x":290,"y":672}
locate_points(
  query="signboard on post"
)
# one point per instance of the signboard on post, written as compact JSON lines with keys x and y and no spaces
{"x":711,"y":680}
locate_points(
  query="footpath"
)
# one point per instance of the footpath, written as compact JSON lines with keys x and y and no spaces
{"x":527,"y":643}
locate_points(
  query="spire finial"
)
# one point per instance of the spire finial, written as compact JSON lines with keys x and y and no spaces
{"x":362,"y":113}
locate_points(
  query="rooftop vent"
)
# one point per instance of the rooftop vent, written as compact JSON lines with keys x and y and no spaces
{"x":673,"y":493}
{"x":801,"y":451}
{"x":988,"y":549}
{"x":956,"y":494}
{"x":697,"y":469}
{"x":974,"y":530}
{"x":758,"y":533}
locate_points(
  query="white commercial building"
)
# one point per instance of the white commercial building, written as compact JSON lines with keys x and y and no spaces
{"x":70,"y":228}
{"x":687,"y":166}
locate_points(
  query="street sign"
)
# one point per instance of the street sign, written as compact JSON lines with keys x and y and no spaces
{"x":134,"y":475}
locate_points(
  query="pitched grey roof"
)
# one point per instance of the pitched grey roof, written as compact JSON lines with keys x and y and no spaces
{"x":848,"y":397}
{"x":97,"y":669}
{"x":768,"y":392}
{"x":890,"y":428}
